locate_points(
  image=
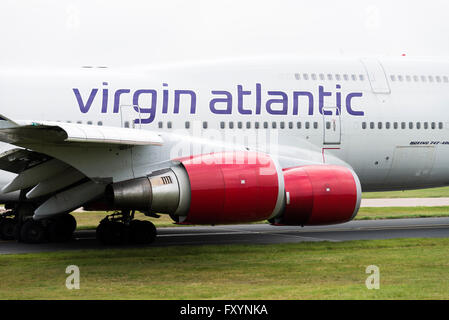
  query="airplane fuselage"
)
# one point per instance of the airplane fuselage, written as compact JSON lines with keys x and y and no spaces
{"x":385,"y":118}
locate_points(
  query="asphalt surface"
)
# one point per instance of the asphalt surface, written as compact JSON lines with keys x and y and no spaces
{"x":256,"y":234}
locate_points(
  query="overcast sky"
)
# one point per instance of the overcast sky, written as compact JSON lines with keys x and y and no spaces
{"x":113,"y":32}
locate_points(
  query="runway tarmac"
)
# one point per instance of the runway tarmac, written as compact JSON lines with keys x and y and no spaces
{"x":256,"y":234}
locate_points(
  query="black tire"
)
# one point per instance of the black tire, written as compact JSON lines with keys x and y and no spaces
{"x":7,"y":227}
{"x":111,"y":233}
{"x":142,"y":232}
{"x":100,"y":231}
{"x":69,"y":221}
{"x":59,"y":230}
{"x":32,"y":232}
{"x":17,"y":229}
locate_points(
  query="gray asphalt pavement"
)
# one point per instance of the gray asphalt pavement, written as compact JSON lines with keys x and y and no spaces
{"x":257,"y":234}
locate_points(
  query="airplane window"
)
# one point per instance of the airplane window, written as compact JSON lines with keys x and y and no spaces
{"x":361,"y":77}
{"x":297,"y":76}
{"x":418,"y":125}
{"x":440,"y":125}
{"x":395,"y":125}
{"x":298,"y":125}
{"x":426,"y":125}
{"x":256,"y":125}
{"x":393,"y":78}
{"x":265,"y":125}
{"x":423,"y":79}
{"x":239,"y":125}
{"x":282,"y":125}
{"x":126,"y":124}
{"x":79,"y":122}
{"x":337,"y":77}
{"x":445,"y":79}
{"x":401,"y":78}
{"x":363,"y":125}
{"x":305,"y":76}
{"x":88,"y":122}
{"x":387,"y":125}
{"x":379,"y":125}
{"x":328,"y":125}
{"x":433,"y":125}
{"x":430,"y":79}
{"x":402,"y":125}
{"x":159,"y":124}
{"x":169,"y":125}
{"x":410,"y":125}
{"x":99,"y":123}
{"x":353,"y":77}
{"x":315,"y":125}
{"x":231,"y":125}
{"x":204,"y":125}
{"x":415,"y":78}
{"x":290,"y":125}
{"x":187,"y":124}
{"x":329,"y":77}
{"x":408,"y":78}
{"x":307,"y":125}
{"x":346,"y":77}
{"x":248,"y":125}
{"x":371,"y":125}
{"x":321,"y":76}
{"x":313,"y":76}
{"x":222,"y":125}
{"x":438,"y":78}
{"x":273,"y":125}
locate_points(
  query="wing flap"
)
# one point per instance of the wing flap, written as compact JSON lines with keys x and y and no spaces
{"x":28,"y":132}
{"x":18,"y":160}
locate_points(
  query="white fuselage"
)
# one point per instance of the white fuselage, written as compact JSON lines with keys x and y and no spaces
{"x":386,"y":118}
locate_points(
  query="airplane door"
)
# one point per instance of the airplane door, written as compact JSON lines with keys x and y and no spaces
{"x":376,"y":76}
{"x":128,"y":115}
{"x":332,"y":125}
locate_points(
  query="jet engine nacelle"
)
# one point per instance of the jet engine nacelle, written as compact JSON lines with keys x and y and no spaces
{"x":320,"y":194}
{"x":237,"y":187}
{"x":219,"y":188}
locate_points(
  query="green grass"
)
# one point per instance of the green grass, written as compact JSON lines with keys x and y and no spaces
{"x":421,"y":193}
{"x":409,"y":269}
{"x":371,"y":213}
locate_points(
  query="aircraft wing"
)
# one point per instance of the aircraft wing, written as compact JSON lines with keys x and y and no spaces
{"x":26,"y":132}
{"x":17,"y":160}
{"x":68,"y":164}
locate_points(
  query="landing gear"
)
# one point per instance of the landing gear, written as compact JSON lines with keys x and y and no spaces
{"x":61,"y":228}
{"x":18,"y":224}
{"x":32,"y":232}
{"x":120,"y":228}
{"x":8,"y":224}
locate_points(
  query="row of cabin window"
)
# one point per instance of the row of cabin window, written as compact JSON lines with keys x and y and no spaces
{"x":403,"y":125}
{"x":249,"y":125}
{"x":416,"y":78}
{"x":330,"y":77}
{"x":99,"y":123}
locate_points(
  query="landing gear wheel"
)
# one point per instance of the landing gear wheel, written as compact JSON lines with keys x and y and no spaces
{"x":7,"y":227}
{"x":142,"y":232}
{"x":111,"y":232}
{"x":32,"y":232}
{"x":61,"y":228}
{"x":69,"y":221}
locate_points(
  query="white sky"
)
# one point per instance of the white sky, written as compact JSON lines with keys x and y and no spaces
{"x":130,"y":32}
